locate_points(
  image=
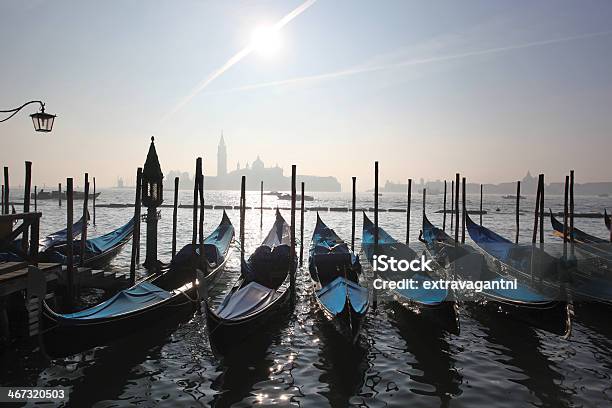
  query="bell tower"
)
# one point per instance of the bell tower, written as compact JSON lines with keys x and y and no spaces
{"x":221,"y":158}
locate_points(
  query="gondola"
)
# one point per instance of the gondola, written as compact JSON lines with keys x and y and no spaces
{"x":590,"y":245}
{"x":437,"y":304}
{"x":261,"y":293}
{"x":465,"y":263}
{"x":61,"y":236}
{"x":168,"y":295}
{"x":532,"y":264}
{"x":99,"y":251}
{"x":339,"y":289}
{"x":13,"y":251}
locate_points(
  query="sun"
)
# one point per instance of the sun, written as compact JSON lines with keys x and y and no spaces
{"x":266,"y":40}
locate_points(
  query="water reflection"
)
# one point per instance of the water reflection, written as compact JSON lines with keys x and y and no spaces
{"x":521,"y":348}
{"x":434,"y":365}
{"x":343,"y":365}
{"x":111,"y":372}
{"x":243,"y":371}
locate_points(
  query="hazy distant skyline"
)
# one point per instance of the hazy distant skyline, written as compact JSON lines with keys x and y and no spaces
{"x":488,"y":88}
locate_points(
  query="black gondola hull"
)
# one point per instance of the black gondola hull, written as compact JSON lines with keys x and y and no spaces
{"x":224,"y":334}
{"x":62,"y":340}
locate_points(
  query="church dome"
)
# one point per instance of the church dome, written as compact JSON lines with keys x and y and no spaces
{"x":258,"y":164}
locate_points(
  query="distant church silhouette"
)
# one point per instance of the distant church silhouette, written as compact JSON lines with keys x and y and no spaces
{"x":273,"y":177}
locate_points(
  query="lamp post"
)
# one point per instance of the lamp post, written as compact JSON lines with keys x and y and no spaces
{"x":42,"y":121}
{"x":152,"y":197}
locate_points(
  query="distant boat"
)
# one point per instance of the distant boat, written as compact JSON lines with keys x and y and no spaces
{"x":297,"y":197}
{"x":55,"y":195}
{"x":273,"y":193}
{"x":512,"y":197}
{"x":603,"y":195}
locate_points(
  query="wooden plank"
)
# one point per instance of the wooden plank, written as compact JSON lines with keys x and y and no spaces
{"x":6,"y":267}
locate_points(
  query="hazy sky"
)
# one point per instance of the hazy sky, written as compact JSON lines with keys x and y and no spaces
{"x":428,"y":88}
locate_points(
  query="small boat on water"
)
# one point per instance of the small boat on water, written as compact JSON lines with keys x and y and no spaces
{"x":99,"y":251}
{"x":298,"y":197}
{"x":339,"y":288}
{"x":437,"y":304}
{"x":170,"y":295}
{"x":463,"y":262}
{"x":264,"y":291}
{"x":55,"y":195}
{"x":512,"y":197}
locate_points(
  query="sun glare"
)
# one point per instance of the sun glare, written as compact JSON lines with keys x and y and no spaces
{"x":266,"y":40}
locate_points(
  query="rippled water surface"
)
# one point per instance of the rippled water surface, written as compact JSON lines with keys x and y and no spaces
{"x":400,"y":360}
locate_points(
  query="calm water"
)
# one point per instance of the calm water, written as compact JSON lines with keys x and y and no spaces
{"x":400,"y":360}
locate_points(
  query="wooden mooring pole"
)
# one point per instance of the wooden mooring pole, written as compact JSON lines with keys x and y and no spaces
{"x":353,"y":214}
{"x":26,"y":202}
{"x":35,"y":198}
{"x":175,"y":215}
{"x":261,"y":206}
{"x":69,"y":254}
{"x":481,"y":205}
{"x":375,"y":205}
{"x":565,"y":214}
{"x":463,"y":210}
{"x":452,"y":204}
{"x":424,"y":201}
{"x":374,"y":294}
{"x":536,"y":213}
{"x":201,"y":220}
{"x":59,"y":193}
{"x":292,"y":263}
{"x":85,"y":217}
{"x":408,"y":205}
{"x":571,"y":213}
{"x":242,"y":214}
{"x":517,"y":211}
{"x":302,"y":228}
{"x":2,"y":202}
{"x":136,"y":231}
{"x":7,"y":191}
{"x":194,"y":236}
{"x":456,"y":208}
{"x":444,"y":209}
{"x":542,"y":210}
{"x":93,"y":202}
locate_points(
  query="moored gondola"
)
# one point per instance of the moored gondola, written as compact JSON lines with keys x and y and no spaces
{"x":99,"y":251}
{"x":588,"y":244}
{"x":463,"y":262}
{"x":435,"y":304}
{"x":13,"y":252}
{"x":262,"y":292}
{"x":169,"y":295}
{"x":532,"y":264}
{"x":339,"y":289}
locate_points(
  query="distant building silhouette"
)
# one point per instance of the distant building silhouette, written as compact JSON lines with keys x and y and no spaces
{"x":529,"y":185}
{"x":273,"y":177}
{"x":221,"y":158}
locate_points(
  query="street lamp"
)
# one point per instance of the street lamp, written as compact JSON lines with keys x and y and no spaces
{"x":43,"y":122}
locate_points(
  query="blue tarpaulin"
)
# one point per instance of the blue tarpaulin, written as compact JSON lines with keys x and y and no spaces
{"x":128,"y":300}
{"x":105,"y":242}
